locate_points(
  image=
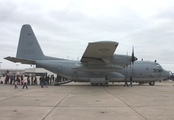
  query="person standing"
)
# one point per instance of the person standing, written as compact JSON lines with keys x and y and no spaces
{"x":106,"y":81}
{"x":17,"y":79}
{"x":53,"y":78}
{"x":32,"y":80}
{"x":126,"y":84}
{"x":25,"y":82}
{"x":41,"y":81}
{"x":6,"y":79}
{"x":16,"y":83}
{"x":131,"y":80}
{"x":46,"y":82}
{"x":21,"y":80}
{"x":28,"y":80}
{"x":35,"y":80}
{"x":11,"y":79}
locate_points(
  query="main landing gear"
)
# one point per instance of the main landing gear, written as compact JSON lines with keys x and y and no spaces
{"x":152,"y":83}
{"x":96,"y":84}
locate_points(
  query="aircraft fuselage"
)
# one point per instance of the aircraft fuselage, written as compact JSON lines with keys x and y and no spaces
{"x":142,"y":71}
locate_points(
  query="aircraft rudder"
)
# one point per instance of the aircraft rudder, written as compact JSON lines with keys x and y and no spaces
{"x":28,"y":46}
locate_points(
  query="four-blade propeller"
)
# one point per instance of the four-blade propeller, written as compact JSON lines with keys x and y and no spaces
{"x":133,"y":57}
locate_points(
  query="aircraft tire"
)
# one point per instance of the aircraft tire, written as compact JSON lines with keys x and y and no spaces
{"x":152,"y":83}
{"x":94,"y":84}
{"x":101,"y":84}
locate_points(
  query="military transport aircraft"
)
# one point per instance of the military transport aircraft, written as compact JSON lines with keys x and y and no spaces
{"x":98,"y":63}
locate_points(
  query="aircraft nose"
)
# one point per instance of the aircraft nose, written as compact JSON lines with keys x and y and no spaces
{"x":166,"y":74}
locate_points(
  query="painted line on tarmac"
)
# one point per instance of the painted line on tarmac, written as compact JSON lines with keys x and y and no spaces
{"x":126,"y":104}
{"x":58,"y":103}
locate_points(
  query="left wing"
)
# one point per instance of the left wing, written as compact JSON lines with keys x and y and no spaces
{"x":99,"y":51}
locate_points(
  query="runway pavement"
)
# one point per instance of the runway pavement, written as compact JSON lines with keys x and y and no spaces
{"x":80,"y":101}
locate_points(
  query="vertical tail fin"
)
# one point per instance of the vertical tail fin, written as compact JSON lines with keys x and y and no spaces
{"x":28,"y":46}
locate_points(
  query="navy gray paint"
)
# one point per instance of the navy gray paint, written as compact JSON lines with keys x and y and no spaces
{"x":93,"y":67}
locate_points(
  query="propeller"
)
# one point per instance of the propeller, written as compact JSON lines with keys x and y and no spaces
{"x":133,"y":59}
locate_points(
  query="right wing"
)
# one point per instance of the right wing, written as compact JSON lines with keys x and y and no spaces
{"x":99,"y":51}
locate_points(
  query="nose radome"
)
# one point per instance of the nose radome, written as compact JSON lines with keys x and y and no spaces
{"x":166,"y":74}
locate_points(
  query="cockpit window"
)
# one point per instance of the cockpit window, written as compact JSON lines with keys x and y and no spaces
{"x":158,"y":68}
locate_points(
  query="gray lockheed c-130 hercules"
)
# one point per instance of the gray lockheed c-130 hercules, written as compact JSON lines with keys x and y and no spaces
{"x":97,"y":64}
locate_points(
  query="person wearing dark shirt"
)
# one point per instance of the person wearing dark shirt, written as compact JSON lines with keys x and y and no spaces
{"x":131,"y":80}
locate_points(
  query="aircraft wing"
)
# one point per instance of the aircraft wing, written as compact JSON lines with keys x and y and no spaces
{"x":99,"y":51}
{"x":23,"y":61}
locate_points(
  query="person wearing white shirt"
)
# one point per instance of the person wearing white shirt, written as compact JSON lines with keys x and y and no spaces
{"x":25,"y":82}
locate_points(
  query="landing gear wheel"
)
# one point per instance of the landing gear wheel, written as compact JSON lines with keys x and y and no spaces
{"x":152,"y":83}
{"x":94,"y":84}
{"x":101,"y":84}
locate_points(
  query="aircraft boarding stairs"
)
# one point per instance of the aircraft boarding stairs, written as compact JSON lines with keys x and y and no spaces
{"x":62,"y":82}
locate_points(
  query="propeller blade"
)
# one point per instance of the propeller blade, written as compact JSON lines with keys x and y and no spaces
{"x":133,"y":56}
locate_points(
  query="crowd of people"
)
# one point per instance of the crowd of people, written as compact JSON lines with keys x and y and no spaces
{"x":27,"y":80}
{"x":43,"y":80}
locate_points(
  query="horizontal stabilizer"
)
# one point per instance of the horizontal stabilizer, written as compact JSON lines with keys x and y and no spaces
{"x":23,"y":61}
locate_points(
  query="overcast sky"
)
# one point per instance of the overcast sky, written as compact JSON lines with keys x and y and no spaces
{"x":65,"y":27}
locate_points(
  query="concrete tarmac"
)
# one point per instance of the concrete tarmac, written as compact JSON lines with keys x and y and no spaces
{"x":81,"y":101}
